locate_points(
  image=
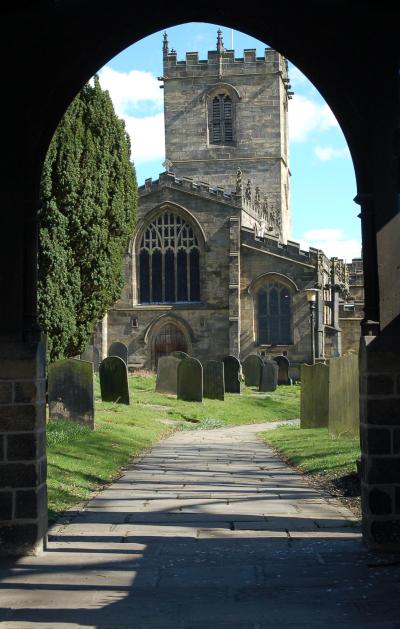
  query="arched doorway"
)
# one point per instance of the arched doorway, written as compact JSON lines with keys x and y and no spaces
{"x":169,"y":339}
{"x":332,"y":46}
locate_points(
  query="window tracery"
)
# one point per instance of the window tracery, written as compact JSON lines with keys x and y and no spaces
{"x":169,"y":261}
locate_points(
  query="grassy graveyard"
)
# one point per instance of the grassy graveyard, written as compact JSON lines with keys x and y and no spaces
{"x":329,"y":460}
{"x":81,"y":460}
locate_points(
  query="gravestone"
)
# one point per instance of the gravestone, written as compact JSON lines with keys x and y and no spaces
{"x":179,"y":354}
{"x":231,"y":374}
{"x":167,"y":375}
{"x":114,"y":380}
{"x":120,"y":350}
{"x":269,"y":376}
{"x":330,"y":396}
{"x":283,"y":374}
{"x":314,"y":396}
{"x":214,"y":381}
{"x":91,"y":355}
{"x":190,"y":380}
{"x":70,"y":391}
{"x":344,"y":396}
{"x":252,"y":366}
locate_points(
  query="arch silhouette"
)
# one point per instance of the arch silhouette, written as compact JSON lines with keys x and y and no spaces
{"x":57,"y":47}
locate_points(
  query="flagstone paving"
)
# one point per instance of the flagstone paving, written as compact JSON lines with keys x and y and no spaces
{"x":210,"y":530}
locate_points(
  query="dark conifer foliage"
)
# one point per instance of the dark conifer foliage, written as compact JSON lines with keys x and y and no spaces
{"x":89,"y":199}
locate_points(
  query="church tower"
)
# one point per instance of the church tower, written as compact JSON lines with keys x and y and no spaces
{"x":227,"y":115}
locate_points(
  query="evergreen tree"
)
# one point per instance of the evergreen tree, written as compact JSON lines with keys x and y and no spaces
{"x":89,"y":199}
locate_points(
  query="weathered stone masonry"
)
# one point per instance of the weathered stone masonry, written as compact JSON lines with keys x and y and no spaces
{"x":23,"y":502}
{"x":380,"y":440}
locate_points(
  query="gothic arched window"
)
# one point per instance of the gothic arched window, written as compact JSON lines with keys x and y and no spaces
{"x":169,"y":261}
{"x":274,"y":314}
{"x":221,"y":114}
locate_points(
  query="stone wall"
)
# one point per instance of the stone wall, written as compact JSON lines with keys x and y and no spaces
{"x":351,"y":333}
{"x":380,"y":440}
{"x":207,"y":330}
{"x":23,"y":497}
{"x":206,"y":325}
{"x":287,"y":265}
{"x":351,"y":309}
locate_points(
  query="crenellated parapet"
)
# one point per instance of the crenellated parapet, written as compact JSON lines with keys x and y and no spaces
{"x":258,"y":211}
{"x":290,"y":250}
{"x":190,"y":185}
{"x":222,"y":59}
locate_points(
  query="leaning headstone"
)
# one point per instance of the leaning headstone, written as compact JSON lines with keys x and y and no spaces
{"x":344,"y":407}
{"x":70,"y":391}
{"x":214,"y":382}
{"x":269,"y":376}
{"x":120,"y":350}
{"x":314,"y":396}
{"x":283,"y":364}
{"x":179,"y":354}
{"x":91,"y":355}
{"x":232,"y":374}
{"x":190,"y":380}
{"x":167,"y":375}
{"x":114,"y":380}
{"x":252,"y":366}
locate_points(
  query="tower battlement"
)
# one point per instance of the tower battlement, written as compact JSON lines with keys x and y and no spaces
{"x":222,"y":59}
{"x":271,"y":60}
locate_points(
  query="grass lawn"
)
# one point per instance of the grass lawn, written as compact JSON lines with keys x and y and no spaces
{"x":331,"y":461}
{"x":81,"y":460}
{"x":249,"y":408}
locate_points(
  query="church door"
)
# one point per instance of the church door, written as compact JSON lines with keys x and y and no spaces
{"x":169,"y":339}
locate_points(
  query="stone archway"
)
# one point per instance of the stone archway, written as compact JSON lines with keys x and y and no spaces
{"x":169,"y":339}
{"x":56,"y":48}
{"x":166,"y":334}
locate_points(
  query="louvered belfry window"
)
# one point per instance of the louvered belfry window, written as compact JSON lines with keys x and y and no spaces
{"x":222,"y":120}
{"x":169,"y":261}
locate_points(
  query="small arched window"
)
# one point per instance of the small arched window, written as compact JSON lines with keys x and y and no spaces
{"x":274,"y":315}
{"x":221,"y":123}
{"x":169,"y":261}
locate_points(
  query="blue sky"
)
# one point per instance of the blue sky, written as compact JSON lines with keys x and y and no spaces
{"x":322,"y":184}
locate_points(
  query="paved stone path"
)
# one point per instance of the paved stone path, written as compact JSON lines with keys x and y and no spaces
{"x":209,"y":530}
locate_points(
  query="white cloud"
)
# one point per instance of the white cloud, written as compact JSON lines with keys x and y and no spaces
{"x":297,"y":78}
{"x":325,"y":153}
{"x":132,"y":93}
{"x":147,"y":137}
{"x":131,"y":89}
{"x":306,"y":116}
{"x":333,"y":242}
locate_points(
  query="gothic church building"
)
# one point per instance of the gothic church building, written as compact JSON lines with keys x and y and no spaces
{"x":211,"y":269}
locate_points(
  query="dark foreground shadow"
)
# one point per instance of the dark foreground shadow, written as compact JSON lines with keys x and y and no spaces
{"x":258,"y":575}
